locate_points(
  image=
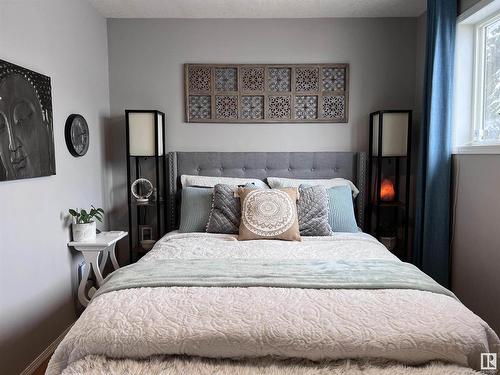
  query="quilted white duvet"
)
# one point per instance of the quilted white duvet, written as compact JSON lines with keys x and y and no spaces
{"x":402,"y":325}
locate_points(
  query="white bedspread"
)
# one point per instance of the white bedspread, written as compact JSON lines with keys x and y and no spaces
{"x":403,"y":325}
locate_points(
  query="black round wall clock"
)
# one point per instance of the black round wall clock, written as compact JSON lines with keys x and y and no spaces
{"x":76,"y":132}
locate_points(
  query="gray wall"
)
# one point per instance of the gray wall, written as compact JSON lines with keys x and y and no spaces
{"x":146,"y":57}
{"x":146,"y":71}
{"x":476,"y":235}
{"x":66,"y":40}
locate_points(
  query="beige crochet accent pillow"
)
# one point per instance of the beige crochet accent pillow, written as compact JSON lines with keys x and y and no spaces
{"x":269,"y":214}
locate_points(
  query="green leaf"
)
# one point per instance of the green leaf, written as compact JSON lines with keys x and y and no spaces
{"x":86,"y":217}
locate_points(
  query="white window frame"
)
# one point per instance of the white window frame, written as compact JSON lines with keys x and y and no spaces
{"x":478,"y":80}
{"x":468,"y":78}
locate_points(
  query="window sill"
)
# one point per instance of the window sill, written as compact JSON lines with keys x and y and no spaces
{"x":478,"y":149}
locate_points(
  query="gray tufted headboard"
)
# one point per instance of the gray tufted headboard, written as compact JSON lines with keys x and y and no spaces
{"x":349,"y":165}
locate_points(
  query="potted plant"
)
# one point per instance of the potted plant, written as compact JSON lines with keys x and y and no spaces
{"x":84,"y":228}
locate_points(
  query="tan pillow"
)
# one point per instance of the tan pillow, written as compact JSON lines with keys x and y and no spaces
{"x":269,"y":214}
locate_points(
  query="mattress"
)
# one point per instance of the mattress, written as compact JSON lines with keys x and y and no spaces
{"x":176,"y":324}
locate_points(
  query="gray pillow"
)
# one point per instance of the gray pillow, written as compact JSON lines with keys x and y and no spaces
{"x":225,"y":215}
{"x":312,"y":209}
{"x":195,"y":209}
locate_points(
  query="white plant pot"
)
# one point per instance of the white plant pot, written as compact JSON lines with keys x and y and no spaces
{"x":84,"y":232}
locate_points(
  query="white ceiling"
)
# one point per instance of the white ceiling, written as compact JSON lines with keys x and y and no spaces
{"x":258,"y":8}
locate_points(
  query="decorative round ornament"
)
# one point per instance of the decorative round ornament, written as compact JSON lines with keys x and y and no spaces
{"x":76,"y":133}
{"x":268,"y":213}
{"x":142,"y":190}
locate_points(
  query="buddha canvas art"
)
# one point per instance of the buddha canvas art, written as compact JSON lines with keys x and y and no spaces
{"x":26,"y":130}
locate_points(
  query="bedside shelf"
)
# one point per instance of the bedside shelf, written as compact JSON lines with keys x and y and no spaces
{"x":389,"y":170}
{"x":389,"y":157}
{"x":148,"y":220}
{"x":390,"y":204}
{"x":147,"y":204}
{"x":145,"y":157}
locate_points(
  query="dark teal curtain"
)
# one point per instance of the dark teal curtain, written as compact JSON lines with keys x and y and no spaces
{"x":432,"y":226}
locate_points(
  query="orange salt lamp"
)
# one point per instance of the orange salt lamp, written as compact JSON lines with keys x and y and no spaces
{"x":387,"y":192}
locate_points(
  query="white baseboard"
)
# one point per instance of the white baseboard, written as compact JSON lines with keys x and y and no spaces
{"x":49,"y":350}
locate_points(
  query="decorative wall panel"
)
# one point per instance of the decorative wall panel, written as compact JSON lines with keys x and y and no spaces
{"x":200,"y":78}
{"x":279,"y":107}
{"x":252,"y":107}
{"x":333,"y":79}
{"x":306,"y":79}
{"x":261,"y":93}
{"x":252,"y":79}
{"x":306,"y":107}
{"x":226,"y":79}
{"x":280,"y":79}
{"x":334,"y":107}
{"x":226,"y":107}
{"x":200,"y":107}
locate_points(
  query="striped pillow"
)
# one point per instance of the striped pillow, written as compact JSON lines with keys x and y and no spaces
{"x":341,"y":210}
{"x":280,"y":182}
{"x":195,"y":209}
{"x":211,"y":181}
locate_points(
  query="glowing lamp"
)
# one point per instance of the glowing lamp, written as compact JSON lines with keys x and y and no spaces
{"x":387,"y":192}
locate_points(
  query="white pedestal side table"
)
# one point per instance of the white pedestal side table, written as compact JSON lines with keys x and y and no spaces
{"x":104,"y":243}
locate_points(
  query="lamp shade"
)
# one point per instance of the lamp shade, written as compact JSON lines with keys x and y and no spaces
{"x":145,"y":133}
{"x":394,"y":128}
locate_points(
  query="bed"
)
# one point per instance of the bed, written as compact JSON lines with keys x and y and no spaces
{"x":202,"y":303}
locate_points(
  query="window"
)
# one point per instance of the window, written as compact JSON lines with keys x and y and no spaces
{"x":486,"y":110}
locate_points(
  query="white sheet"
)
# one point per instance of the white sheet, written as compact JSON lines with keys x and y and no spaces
{"x":402,"y":325}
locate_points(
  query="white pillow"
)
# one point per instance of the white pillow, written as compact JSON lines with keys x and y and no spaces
{"x":211,"y":181}
{"x":279,"y":182}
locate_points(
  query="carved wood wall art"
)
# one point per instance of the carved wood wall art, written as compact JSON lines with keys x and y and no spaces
{"x":265,"y":93}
